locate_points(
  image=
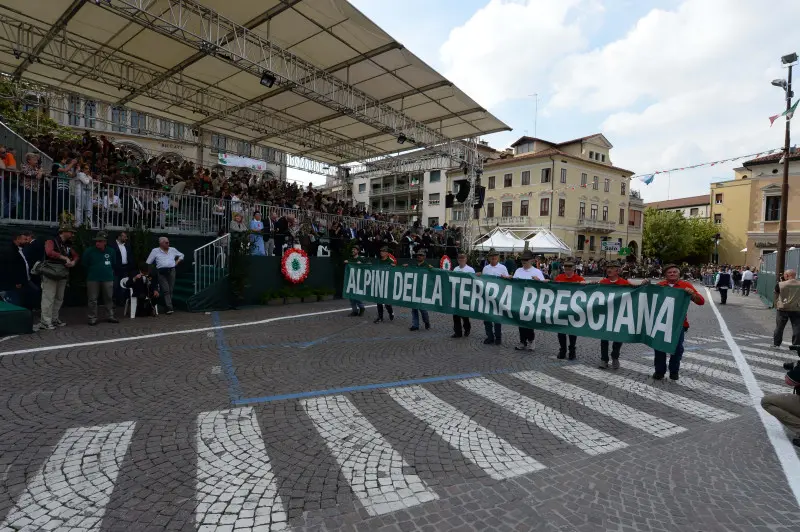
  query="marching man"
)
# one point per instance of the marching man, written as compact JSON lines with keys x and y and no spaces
{"x":527,"y":337}
{"x":494,"y":269}
{"x":385,"y":259}
{"x":355,"y":304}
{"x":415,"y":313}
{"x":458,"y":330}
{"x":569,"y":276}
{"x":612,"y":277}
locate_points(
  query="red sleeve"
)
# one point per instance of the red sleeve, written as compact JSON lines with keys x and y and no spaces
{"x":50,"y":252}
{"x":700,"y":297}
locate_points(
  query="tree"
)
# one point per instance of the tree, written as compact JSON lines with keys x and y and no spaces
{"x":668,"y":236}
{"x":33,"y":122}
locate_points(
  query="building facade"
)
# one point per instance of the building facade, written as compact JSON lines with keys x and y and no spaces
{"x":747,"y":209}
{"x":570,"y":188}
{"x":692,"y":207}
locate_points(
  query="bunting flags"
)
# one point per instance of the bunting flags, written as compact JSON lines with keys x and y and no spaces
{"x":789,"y":113}
{"x":648,"y":178}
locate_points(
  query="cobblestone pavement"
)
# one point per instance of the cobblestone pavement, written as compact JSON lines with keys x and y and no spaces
{"x":274,"y":421}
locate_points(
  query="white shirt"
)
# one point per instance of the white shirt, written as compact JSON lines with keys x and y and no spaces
{"x":495,"y":271}
{"x":27,"y":266}
{"x":465,"y":269}
{"x":531,"y":273}
{"x":162,"y":259}
{"x":123,"y":252}
{"x":747,"y":276}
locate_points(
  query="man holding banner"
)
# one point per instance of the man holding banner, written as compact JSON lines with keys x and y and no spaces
{"x":612,"y":277}
{"x":356,"y":305}
{"x":527,"y":336}
{"x":461,"y":325}
{"x":415,"y":312}
{"x":385,"y":259}
{"x":494,"y":331}
{"x":569,"y":276}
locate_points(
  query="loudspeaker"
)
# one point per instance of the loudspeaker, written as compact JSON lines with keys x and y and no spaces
{"x":449,"y":200}
{"x":463,"y":191}
{"x":480,"y":195}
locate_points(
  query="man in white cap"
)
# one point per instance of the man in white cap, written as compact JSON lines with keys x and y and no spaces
{"x":461,"y":324}
{"x":494,"y":331}
{"x":527,"y":336}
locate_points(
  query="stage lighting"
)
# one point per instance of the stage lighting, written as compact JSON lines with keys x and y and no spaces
{"x":268,"y":79}
{"x":401,"y":138}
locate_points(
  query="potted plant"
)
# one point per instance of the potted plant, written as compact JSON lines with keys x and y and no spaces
{"x":325,"y":294}
{"x":292,"y":295}
{"x":272,"y":297}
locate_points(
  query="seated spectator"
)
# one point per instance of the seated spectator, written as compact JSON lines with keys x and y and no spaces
{"x":144,"y":289}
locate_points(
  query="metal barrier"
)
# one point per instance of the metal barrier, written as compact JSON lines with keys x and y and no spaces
{"x":211,"y":262}
{"x":44,"y":201}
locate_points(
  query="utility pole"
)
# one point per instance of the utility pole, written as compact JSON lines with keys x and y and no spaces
{"x":788,"y":60}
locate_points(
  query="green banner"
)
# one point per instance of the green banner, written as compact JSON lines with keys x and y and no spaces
{"x":650,"y":314}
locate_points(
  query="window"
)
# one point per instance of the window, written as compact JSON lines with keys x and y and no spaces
{"x":606,"y":185}
{"x":91,"y":113}
{"x":119,"y":119}
{"x":717,"y":218}
{"x":718,"y":199}
{"x":603,"y":157}
{"x":526,"y":178}
{"x":218,"y":142}
{"x":596,"y":183}
{"x":74,"y":111}
{"x":694,"y":211}
{"x":544,"y":207}
{"x":622,"y":188}
{"x":581,"y":242}
{"x":563,"y":175}
{"x":582,"y":211}
{"x":508,"y":209}
{"x":523,"y":208}
{"x":491,"y":181}
{"x":507,"y":181}
{"x":772,"y":211}
{"x":622,"y":216}
{"x":433,"y":221}
{"x":584,"y":177}
{"x":178,"y":130}
{"x":605,"y":213}
{"x":562,"y":207}
{"x":591,"y":243}
{"x":436,"y":176}
{"x":243,"y":148}
{"x":433,"y":199}
{"x":362,"y":187}
{"x":458,"y":215}
{"x":490,"y":210}
{"x":545,"y":175}
{"x":591,"y":155}
{"x":593,"y":213}
{"x":138,"y":123}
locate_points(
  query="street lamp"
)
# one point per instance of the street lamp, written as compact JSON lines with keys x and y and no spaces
{"x":789,"y":60}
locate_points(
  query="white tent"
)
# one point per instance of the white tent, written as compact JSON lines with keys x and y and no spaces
{"x":547,"y":242}
{"x":501,"y":240}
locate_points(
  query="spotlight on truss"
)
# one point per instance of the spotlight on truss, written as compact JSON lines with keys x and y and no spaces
{"x":401,"y":138}
{"x":268,"y":79}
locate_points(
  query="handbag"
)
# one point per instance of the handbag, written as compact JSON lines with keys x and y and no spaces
{"x":51,"y":270}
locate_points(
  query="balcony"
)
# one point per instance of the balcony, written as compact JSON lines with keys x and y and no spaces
{"x":634,"y":228}
{"x":635,"y":199}
{"x":508,"y":221}
{"x":598,"y":226}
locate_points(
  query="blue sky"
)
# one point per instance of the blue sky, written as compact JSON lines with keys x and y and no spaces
{"x":670,"y":83}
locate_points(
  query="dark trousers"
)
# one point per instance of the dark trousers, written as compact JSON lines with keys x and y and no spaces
{"x":615,"y":347}
{"x":781,"y":318}
{"x":120,"y":294}
{"x":746,"y":287}
{"x":723,"y":295}
{"x":457,"y":325}
{"x":28,"y":296}
{"x":493,"y":330}
{"x":674,"y":359}
{"x":562,"y":342}
{"x":526,"y":336}
{"x":166,"y":285}
{"x":388,"y":308}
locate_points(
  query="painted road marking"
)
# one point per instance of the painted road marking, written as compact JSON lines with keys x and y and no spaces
{"x":594,"y":401}
{"x":583,"y":436}
{"x":74,"y":486}
{"x":368,"y":462}
{"x":778,"y":355}
{"x":694,"y":384}
{"x":658,"y":395}
{"x":234,"y":480}
{"x":748,"y":356}
{"x":730,"y":364}
{"x":497,"y":457}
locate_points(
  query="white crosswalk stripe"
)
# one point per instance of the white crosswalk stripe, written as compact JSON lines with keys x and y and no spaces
{"x":730,"y":363}
{"x":750,"y":357}
{"x":705,"y":387}
{"x":478,"y":444}
{"x":608,"y":407}
{"x":656,"y":394}
{"x":777,"y":355}
{"x":771,"y":345}
{"x":367,"y":460}
{"x":232,"y":465}
{"x":583,"y":436}
{"x":73,"y":487}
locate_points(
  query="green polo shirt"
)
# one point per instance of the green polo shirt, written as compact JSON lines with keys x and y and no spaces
{"x":387,"y":260}
{"x":416,"y":264}
{"x":99,"y":265}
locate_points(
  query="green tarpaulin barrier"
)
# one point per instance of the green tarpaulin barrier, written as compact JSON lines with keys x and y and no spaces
{"x":14,"y":320}
{"x":650,"y":314}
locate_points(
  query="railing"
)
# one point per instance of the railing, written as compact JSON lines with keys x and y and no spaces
{"x":597,"y":225}
{"x":211,"y":262}
{"x":507,"y":221}
{"x":42,"y":202}
{"x":21,"y":146}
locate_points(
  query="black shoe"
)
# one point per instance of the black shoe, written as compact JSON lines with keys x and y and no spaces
{"x":466,"y":332}
{"x":413,"y":328}
{"x":427,"y":326}
{"x":658,"y":376}
{"x":497,"y":341}
{"x":562,"y":355}
{"x":521,"y":347}
{"x":391,"y":317}
{"x":353,"y":314}
{"x":113,"y":320}
{"x":378,"y":320}
{"x":488,"y":341}
{"x":796,"y":441}
{"x":673,"y":375}
{"x":361,"y":311}
{"x":92,"y":323}
{"x":456,"y":335}
{"x":572,"y":355}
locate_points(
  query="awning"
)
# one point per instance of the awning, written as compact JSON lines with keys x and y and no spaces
{"x":501,"y":240}
{"x":547,"y":242}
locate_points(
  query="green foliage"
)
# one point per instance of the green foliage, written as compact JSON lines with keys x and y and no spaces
{"x":32,"y":123}
{"x":668,"y":236}
{"x":142,"y":242}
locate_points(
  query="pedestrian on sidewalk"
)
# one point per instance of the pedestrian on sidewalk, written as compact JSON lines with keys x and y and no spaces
{"x":787,"y":303}
{"x":420,"y":255}
{"x":747,"y":281}
{"x":166,"y":259}
{"x":612,"y":277}
{"x":389,"y":261}
{"x":569,"y":276}
{"x":99,"y":262}
{"x":724,"y":283}
{"x":461,"y":324}
{"x":59,"y":257}
{"x":493,"y":268}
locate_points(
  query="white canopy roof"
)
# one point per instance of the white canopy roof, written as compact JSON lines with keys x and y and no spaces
{"x":501,"y":240}
{"x":547,"y":242}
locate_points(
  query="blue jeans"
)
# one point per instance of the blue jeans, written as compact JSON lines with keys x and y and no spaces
{"x":674,"y":359}
{"x":493,"y":330}
{"x":415,"y":317}
{"x":26,"y":297}
{"x":356,"y":305}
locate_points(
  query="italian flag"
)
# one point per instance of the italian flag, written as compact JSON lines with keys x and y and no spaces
{"x":789,"y":113}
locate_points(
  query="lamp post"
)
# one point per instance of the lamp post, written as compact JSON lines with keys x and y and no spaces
{"x":786,"y":85}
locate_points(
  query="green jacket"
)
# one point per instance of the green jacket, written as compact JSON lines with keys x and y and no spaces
{"x":99,"y":265}
{"x":424,"y":265}
{"x":387,"y":260}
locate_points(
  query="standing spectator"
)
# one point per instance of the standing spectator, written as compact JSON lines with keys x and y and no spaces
{"x":787,"y":303}
{"x":31,"y":174}
{"x":237,"y":225}
{"x":7,"y":157}
{"x":281,"y":232}
{"x":99,"y":263}
{"x":724,"y":283}
{"x":59,"y":258}
{"x":16,"y":273}
{"x":747,"y":281}
{"x":123,"y":265}
{"x":256,"y":236}
{"x":527,"y":336}
{"x":166,"y":259}
{"x":83,"y":196}
{"x":494,"y":331}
